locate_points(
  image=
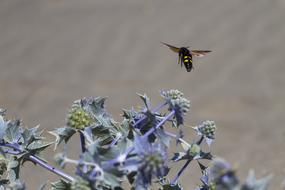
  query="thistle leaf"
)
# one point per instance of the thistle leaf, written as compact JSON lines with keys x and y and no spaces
{"x":38,"y":145}
{"x":13,"y":133}
{"x":145,"y":100}
{"x":62,"y":134}
{"x":60,"y":185}
{"x":13,"y":168}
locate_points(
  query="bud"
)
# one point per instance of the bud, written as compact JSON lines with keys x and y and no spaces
{"x":182,"y":104}
{"x":208,"y":128}
{"x":177,"y":103}
{"x":194,"y":150}
{"x":172,"y":94}
{"x":79,"y":118}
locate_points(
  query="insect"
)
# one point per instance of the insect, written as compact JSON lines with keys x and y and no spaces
{"x":185,"y":55}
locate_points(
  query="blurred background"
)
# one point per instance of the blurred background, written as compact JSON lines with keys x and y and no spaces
{"x":53,"y":52}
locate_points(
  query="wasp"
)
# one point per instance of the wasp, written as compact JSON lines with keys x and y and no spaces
{"x":185,"y":55}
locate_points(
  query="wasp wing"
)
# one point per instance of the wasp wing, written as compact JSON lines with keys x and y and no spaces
{"x":199,"y":53}
{"x":173,"y":48}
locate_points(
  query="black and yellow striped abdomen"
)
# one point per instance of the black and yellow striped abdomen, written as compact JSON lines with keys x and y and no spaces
{"x":187,"y":60}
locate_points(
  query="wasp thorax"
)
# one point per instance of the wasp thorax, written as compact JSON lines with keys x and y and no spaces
{"x":184,"y":50}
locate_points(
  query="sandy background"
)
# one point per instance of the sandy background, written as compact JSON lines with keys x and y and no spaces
{"x":55,"y":51}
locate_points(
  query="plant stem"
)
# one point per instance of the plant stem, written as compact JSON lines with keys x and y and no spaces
{"x":200,"y":140}
{"x":154,"y":128}
{"x":175,"y":136}
{"x":174,"y":180}
{"x":82,"y":142}
{"x":12,"y":152}
{"x":115,"y":140}
{"x":9,"y":145}
{"x":154,"y":110}
{"x":76,"y":162}
{"x":130,"y":149}
{"x":168,"y":116}
{"x":37,"y":160}
{"x":50,"y":168}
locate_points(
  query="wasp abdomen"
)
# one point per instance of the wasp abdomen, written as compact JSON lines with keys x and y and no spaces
{"x":187,"y":60}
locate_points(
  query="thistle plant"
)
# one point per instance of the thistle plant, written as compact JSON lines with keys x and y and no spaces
{"x":131,"y":154}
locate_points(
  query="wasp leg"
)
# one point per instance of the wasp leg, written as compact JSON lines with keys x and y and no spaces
{"x":180,"y":59}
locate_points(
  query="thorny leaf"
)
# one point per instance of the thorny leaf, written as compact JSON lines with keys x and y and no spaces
{"x":13,"y":131}
{"x":62,"y":134}
{"x":61,"y":185}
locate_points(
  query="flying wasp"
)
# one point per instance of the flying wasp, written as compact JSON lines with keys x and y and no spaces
{"x":185,"y":55}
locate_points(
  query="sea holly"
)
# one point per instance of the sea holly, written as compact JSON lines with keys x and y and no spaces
{"x":221,"y":176}
{"x":207,"y":130}
{"x":131,"y":154}
{"x":151,"y":161}
{"x":176,"y":102}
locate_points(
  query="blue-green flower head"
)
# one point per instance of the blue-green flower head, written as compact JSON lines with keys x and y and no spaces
{"x":207,"y":129}
{"x":222,"y":174}
{"x":176,"y":102}
{"x":219,"y":176}
{"x":153,"y":161}
{"x":172,"y":94}
{"x":181,"y":104}
{"x":79,"y":118}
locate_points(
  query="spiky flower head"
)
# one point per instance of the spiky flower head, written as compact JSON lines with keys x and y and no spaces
{"x":219,"y":176}
{"x":222,"y":175}
{"x":182,"y":104}
{"x":152,"y":161}
{"x":207,"y":129}
{"x":176,"y":102}
{"x":81,"y":184}
{"x":172,"y":94}
{"x":79,"y":118}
